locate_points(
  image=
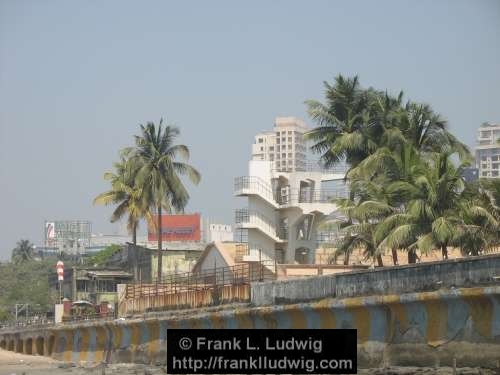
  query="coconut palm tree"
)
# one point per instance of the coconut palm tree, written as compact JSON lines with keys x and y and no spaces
{"x":431,"y":217}
{"x":363,"y":215}
{"x":23,"y":252}
{"x":427,"y":131}
{"x":130,"y":198}
{"x":160,"y":172}
{"x":344,"y":131}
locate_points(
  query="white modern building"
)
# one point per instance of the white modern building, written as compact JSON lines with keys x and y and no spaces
{"x":286,"y":202}
{"x":488,"y":151}
{"x":285,"y":146}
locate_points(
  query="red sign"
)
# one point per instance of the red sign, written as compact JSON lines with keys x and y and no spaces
{"x":177,"y":228}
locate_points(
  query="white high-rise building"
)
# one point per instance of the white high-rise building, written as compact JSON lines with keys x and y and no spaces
{"x":287,"y":198}
{"x":488,"y":151}
{"x":284,"y":146}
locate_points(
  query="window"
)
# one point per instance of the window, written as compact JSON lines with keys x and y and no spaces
{"x":277,"y":141}
{"x":283,"y":140}
{"x":289,"y":155}
{"x":261,"y":140}
{"x":262,"y":149}
{"x":485,"y":134}
{"x":283,"y":156}
{"x":290,"y":139}
{"x":271,"y":148}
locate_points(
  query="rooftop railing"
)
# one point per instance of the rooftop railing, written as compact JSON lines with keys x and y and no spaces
{"x":254,"y":184}
{"x":245,"y":216}
{"x":292,"y":196}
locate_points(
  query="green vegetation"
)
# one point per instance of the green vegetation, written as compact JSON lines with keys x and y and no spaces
{"x":148,"y":179}
{"x":26,"y":282}
{"x":23,"y":252}
{"x":103,"y":256}
{"x":406,"y":191}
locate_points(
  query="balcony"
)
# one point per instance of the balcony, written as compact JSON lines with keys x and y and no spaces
{"x":253,"y":185}
{"x":314,"y":166}
{"x":289,"y":197}
{"x":245,"y":218}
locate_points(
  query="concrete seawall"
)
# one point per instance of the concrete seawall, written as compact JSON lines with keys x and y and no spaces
{"x":464,"y":272}
{"x":419,"y":329}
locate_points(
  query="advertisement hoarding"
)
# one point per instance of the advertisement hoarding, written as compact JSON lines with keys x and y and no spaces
{"x":177,"y":228}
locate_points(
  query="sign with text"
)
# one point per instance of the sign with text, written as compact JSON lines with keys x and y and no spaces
{"x":177,"y":228}
{"x":262,"y":351}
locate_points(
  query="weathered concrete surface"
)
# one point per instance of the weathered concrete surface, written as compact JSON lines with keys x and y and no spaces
{"x":465,"y":272}
{"x":415,"y":329}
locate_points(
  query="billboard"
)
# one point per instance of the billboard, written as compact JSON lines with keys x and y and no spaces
{"x":177,"y":228}
{"x":50,"y":228}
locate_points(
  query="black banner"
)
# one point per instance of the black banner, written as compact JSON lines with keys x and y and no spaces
{"x":261,"y":351}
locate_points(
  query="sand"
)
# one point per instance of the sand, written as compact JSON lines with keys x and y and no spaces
{"x":19,"y":364}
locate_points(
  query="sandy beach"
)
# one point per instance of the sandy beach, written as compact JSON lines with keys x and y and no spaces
{"x":19,"y":364}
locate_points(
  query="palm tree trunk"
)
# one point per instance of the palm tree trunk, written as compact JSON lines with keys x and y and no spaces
{"x":395,"y":256}
{"x":134,"y":234}
{"x":158,"y":232}
{"x":346,"y":258}
{"x":444,"y":251}
{"x":412,"y":256}
{"x":380,"y":262}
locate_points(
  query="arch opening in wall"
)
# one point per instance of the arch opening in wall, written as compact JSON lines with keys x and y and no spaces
{"x":19,"y":346}
{"x":50,"y":348}
{"x":39,"y":344}
{"x":28,"y":349}
{"x":302,"y":255}
{"x":11,"y":345}
{"x":3,"y":344}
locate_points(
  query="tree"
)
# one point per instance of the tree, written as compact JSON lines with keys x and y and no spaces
{"x":130,"y":198}
{"x":431,"y":217}
{"x":160,"y":172}
{"x":344,"y":131}
{"x":23,"y":252}
{"x":363,"y":215}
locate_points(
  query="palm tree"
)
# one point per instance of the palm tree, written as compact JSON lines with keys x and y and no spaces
{"x":343,"y":132}
{"x":160,"y":172}
{"x":363,"y":217}
{"x":131,"y":199}
{"x":23,"y":252}
{"x":427,"y":131}
{"x":431,"y":218}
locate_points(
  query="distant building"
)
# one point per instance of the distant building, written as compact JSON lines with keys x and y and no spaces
{"x":219,"y":233}
{"x":488,"y":151}
{"x":142,"y":262}
{"x":285,"y":146}
{"x":470,"y":174}
{"x":94,"y":284}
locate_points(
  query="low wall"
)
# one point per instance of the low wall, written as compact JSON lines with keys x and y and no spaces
{"x":148,"y":300}
{"x":464,"y":272}
{"x":417,"y":329}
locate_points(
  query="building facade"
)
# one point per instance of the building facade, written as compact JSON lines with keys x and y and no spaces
{"x":285,"y":146}
{"x":285,"y":205}
{"x":488,"y":151}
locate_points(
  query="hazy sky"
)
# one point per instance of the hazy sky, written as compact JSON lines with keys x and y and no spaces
{"x":76,"y":79}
